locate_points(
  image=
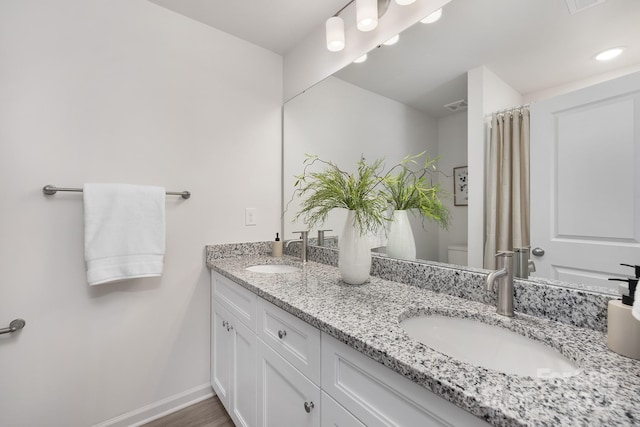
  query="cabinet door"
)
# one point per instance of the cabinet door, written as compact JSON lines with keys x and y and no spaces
{"x":332,"y":414}
{"x":285,"y":396}
{"x":243,"y":375}
{"x":221,"y":353}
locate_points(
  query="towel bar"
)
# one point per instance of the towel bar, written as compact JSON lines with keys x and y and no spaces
{"x":15,"y":325}
{"x":50,"y":190}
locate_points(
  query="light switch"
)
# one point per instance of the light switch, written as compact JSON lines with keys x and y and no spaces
{"x":250,"y":216}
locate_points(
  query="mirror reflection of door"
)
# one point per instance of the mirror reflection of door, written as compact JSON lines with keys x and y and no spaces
{"x":585,"y":182}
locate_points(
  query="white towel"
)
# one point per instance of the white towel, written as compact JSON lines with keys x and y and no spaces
{"x":635,"y":310}
{"x":124,"y":231}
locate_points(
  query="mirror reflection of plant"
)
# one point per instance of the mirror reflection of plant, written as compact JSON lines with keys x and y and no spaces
{"x":334,"y":188}
{"x":413,"y":189}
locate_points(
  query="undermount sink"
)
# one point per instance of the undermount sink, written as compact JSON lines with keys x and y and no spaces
{"x":273,"y":268}
{"x":489,"y":346}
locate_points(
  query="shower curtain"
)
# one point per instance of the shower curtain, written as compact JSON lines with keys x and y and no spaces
{"x":507,"y":190}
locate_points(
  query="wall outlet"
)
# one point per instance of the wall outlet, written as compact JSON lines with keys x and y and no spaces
{"x":250,"y":216}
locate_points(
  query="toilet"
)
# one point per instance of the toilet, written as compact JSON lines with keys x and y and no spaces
{"x":457,"y":254}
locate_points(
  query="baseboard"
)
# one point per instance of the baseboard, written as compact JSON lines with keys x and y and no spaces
{"x":159,"y":409}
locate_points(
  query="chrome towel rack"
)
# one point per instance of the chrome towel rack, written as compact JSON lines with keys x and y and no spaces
{"x":15,"y":325}
{"x":50,"y":190}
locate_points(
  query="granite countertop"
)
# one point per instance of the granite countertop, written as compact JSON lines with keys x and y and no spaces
{"x":366,"y":317}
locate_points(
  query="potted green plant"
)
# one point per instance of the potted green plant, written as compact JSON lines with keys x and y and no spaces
{"x":409,"y":186}
{"x":360,"y":193}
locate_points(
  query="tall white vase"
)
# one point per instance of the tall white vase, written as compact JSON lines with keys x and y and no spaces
{"x":401,"y":243}
{"x":354,"y":254}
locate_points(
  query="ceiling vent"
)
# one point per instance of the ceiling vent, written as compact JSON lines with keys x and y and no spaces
{"x":457,"y":105}
{"x":576,"y":6}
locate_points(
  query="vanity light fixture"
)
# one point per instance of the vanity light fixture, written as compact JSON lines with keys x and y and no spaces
{"x":335,"y":34}
{"x":361,"y":59}
{"x":432,"y":17}
{"x":366,"y":14}
{"x":393,"y":40}
{"x":608,"y":54}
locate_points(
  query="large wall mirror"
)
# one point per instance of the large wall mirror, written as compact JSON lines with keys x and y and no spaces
{"x":393,"y":104}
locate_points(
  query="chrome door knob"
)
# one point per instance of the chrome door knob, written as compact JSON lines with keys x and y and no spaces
{"x":537,"y":252}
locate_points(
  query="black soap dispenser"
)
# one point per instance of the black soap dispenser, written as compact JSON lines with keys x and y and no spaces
{"x":623,"y":330}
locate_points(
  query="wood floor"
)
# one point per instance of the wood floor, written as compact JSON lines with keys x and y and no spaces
{"x":208,"y":413}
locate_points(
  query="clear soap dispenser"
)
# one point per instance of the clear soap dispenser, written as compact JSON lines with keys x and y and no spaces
{"x":623,"y":330}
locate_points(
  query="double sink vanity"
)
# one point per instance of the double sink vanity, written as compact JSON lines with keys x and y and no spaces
{"x":418,"y":345}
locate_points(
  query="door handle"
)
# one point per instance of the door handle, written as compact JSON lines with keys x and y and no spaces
{"x":15,"y":325}
{"x":308,"y":406}
{"x":537,"y":252}
{"x":282,"y":334}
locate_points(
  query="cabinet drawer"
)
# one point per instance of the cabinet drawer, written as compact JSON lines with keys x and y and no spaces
{"x":238,"y":300}
{"x":332,"y":414}
{"x":295,"y":340}
{"x":378,"y":396}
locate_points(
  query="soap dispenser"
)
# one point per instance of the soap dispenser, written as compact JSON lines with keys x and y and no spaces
{"x":623,"y":330}
{"x":276,"y":246}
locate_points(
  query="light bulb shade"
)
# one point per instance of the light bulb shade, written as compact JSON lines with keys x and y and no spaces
{"x":366,"y":14}
{"x":393,"y":40}
{"x":360,"y":59}
{"x":335,"y":34}
{"x":432,"y":17}
{"x":405,"y":2}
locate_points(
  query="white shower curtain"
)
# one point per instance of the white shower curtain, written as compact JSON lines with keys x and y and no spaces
{"x":507,"y":193}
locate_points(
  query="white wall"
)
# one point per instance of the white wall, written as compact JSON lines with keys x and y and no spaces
{"x":340,"y":122}
{"x":487,"y":93}
{"x":122,"y":91}
{"x":452,"y":150}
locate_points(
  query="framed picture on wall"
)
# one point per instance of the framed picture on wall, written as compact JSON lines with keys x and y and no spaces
{"x":461,"y":186}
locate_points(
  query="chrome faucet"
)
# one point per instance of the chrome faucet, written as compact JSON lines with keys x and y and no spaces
{"x":304,"y":240}
{"x":504,"y":278}
{"x":321,"y":237}
{"x":523,"y":265}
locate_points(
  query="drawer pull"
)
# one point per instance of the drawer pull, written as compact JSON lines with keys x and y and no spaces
{"x":224,"y":323}
{"x":308,"y":406}
{"x":282,"y":334}
{"x":229,"y":327}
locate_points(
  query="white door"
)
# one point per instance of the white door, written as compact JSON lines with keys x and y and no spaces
{"x":285,"y":396}
{"x":585,"y":183}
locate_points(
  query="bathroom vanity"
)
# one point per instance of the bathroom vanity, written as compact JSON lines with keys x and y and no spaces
{"x":303,"y":349}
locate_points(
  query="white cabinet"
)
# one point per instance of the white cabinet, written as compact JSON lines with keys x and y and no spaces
{"x":220,"y":354}
{"x":285,"y":396}
{"x":271,"y":369}
{"x":378,"y":396}
{"x":333,"y":414}
{"x":233,"y":350}
{"x":294,"y":339}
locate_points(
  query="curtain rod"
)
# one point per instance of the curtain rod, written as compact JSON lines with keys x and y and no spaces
{"x":507,"y":110}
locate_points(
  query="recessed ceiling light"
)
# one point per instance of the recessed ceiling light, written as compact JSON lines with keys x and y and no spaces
{"x":393,"y":40}
{"x":361,"y":59}
{"x":433,"y":17}
{"x":609,"y":54}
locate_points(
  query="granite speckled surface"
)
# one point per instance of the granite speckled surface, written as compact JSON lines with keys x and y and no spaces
{"x":581,"y":305}
{"x":366,"y":317}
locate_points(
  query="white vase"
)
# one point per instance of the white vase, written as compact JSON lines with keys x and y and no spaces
{"x":401,"y":243}
{"x":354,"y":254}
